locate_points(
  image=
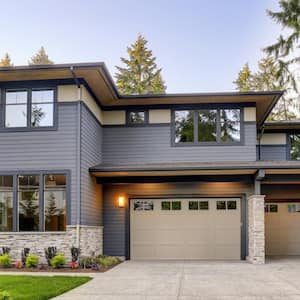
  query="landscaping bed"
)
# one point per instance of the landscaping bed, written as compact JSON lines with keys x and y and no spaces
{"x":53,"y":261}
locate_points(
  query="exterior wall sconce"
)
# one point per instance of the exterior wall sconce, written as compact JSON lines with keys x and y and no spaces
{"x":121,"y":201}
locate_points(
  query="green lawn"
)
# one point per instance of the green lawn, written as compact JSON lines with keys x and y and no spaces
{"x":38,"y":287}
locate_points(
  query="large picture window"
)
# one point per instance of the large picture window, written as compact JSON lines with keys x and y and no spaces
{"x":295,"y":146}
{"x":30,"y":108}
{"x":55,"y":202}
{"x":210,"y":126}
{"x":6,"y":203}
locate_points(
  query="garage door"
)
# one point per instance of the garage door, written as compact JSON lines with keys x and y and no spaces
{"x":282,"y":228}
{"x":203,"y":228}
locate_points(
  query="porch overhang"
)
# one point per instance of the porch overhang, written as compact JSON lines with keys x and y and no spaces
{"x":179,"y":171}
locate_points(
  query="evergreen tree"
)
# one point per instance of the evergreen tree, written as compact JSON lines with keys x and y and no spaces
{"x":51,"y":209}
{"x":288,"y":18}
{"x":244,"y":81}
{"x":270,"y":78}
{"x":6,"y":61}
{"x":140,"y":74}
{"x":40,"y":58}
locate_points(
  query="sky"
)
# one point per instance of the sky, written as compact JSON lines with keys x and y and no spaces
{"x":200,"y":44}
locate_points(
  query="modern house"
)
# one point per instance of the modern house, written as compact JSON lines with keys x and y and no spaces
{"x":173,"y":176}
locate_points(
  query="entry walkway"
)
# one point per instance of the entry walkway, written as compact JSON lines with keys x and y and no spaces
{"x":194,"y":280}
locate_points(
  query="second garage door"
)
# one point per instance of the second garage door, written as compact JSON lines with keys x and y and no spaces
{"x":189,"y":228}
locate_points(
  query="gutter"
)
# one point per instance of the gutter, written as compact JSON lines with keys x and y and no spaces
{"x":78,"y":161}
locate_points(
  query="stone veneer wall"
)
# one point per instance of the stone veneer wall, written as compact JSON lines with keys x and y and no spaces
{"x":91,"y":241}
{"x":256,"y":229}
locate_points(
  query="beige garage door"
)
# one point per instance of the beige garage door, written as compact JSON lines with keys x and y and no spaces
{"x":203,"y":228}
{"x":282,"y":228}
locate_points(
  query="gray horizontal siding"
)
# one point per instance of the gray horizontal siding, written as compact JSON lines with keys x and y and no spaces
{"x":273,"y":152}
{"x":91,"y":154}
{"x":44,"y":150}
{"x":152,"y":144}
{"x":114,"y":218}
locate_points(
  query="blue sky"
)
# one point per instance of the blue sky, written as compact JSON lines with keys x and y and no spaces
{"x":200,"y":44}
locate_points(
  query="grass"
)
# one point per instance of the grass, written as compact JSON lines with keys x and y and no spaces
{"x":38,"y":287}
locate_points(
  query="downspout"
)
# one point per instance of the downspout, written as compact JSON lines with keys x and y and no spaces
{"x":78,"y":162}
{"x":259,"y":141}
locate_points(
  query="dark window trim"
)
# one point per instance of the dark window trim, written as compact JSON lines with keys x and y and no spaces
{"x":39,"y":173}
{"x":29,"y":96}
{"x":129,"y":123}
{"x":218,"y":142}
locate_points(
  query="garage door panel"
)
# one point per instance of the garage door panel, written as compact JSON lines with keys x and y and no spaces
{"x":282,"y":229}
{"x":186,"y":233}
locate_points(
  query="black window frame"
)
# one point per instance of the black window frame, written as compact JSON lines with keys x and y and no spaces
{"x":41,"y":174}
{"x":146,"y":119}
{"x":28,"y":126}
{"x":289,"y":145}
{"x":218,"y":141}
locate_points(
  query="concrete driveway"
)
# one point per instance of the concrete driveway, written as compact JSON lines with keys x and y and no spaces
{"x":191,"y":280}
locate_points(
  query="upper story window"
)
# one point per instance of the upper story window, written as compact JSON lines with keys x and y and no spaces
{"x":29,"y":108}
{"x":137,"y":117}
{"x":295,"y":146}
{"x":209,"y":126}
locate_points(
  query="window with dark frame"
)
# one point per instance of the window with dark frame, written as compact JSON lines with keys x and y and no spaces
{"x":6,"y":203}
{"x":137,"y":117}
{"x":40,"y":202}
{"x":55,"y":202}
{"x":212,"y":126}
{"x":294,"y":146}
{"x":30,"y":108}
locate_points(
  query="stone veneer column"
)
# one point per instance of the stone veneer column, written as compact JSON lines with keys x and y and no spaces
{"x":256,"y":229}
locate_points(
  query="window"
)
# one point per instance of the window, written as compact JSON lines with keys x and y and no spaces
{"x":143,"y":205}
{"x":230,"y":125}
{"x":42,"y":108}
{"x":184,"y":126}
{"x":295,"y":146}
{"x":294,"y":208}
{"x":207,"y":126}
{"x":29,"y":108}
{"x":28,"y":202}
{"x":6,"y":203}
{"x":16,"y":109}
{"x":196,"y":205}
{"x":55,"y":202}
{"x":271,"y":208}
{"x":165,"y":205}
{"x":137,"y":117}
{"x":231,"y":204}
{"x":171,"y":205}
{"x":221,"y":205}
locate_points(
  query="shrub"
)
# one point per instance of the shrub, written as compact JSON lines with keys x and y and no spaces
{"x":50,"y":252}
{"x":86,"y":262}
{"x":32,"y":261}
{"x":108,"y":261}
{"x":58,"y":261}
{"x":4,"y":295}
{"x":5,"y":250}
{"x":5,"y":260}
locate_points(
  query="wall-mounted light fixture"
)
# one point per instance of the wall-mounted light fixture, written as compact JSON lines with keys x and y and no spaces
{"x":121,"y":201}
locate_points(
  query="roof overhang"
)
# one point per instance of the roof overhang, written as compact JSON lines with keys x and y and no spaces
{"x":101,"y":84}
{"x":194,"y":169}
{"x":282,"y":126}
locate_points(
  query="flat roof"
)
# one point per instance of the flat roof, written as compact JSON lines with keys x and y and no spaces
{"x":99,"y":80}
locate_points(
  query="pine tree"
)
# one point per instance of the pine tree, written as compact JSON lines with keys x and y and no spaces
{"x":270,"y":78}
{"x":140,"y":74}
{"x":6,"y":61}
{"x":40,"y":58}
{"x":51,"y":209}
{"x":244,"y":81}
